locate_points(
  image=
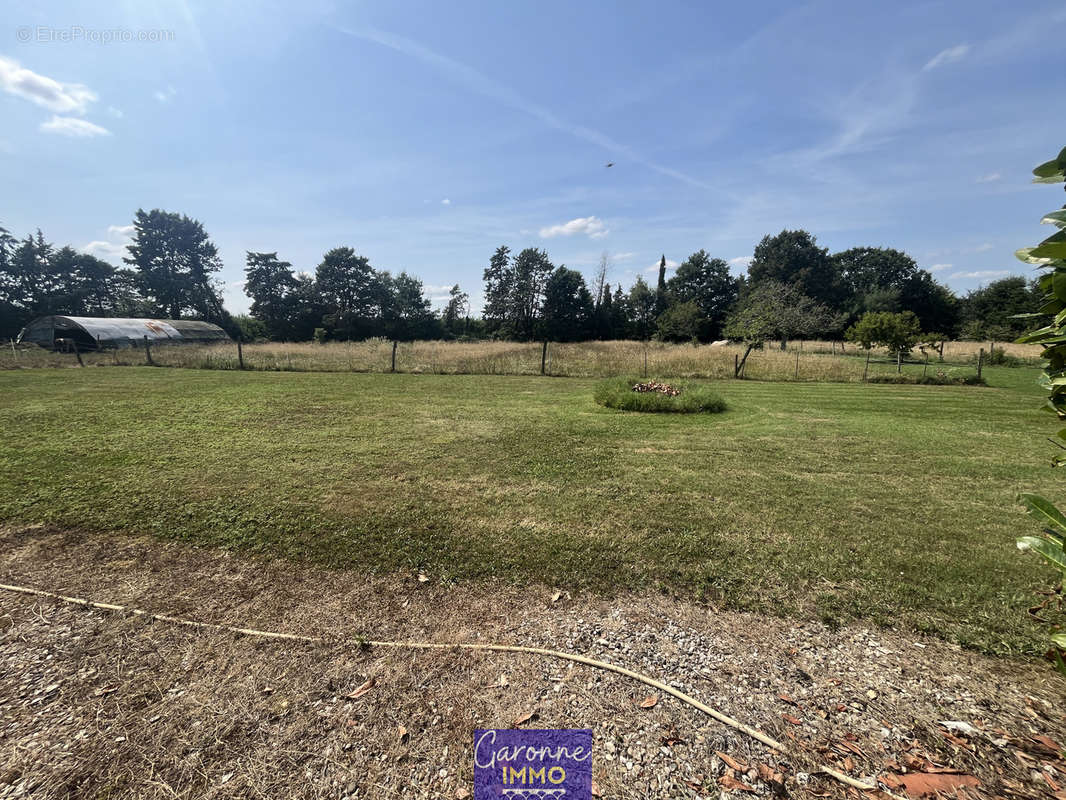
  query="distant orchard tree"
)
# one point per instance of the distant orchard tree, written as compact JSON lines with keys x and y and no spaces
{"x":706,"y":282}
{"x":772,"y":310}
{"x":794,"y":257}
{"x":174,"y":261}
{"x":896,"y":332}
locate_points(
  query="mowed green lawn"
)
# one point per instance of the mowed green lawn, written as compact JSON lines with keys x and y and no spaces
{"x":893,"y":504}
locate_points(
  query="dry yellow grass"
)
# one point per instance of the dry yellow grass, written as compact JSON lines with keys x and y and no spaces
{"x":805,"y":361}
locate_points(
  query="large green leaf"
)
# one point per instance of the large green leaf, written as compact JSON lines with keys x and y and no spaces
{"x":1049,"y":550}
{"x":1053,"y":246}
{"x":1043,"y":509}
{"x":1056,"y":218}
{"x":1025,"y":254}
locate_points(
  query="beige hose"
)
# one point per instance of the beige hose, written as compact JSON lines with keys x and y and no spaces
{"x":773,"y":744}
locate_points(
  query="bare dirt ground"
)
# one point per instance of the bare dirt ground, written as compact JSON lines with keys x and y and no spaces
{"x":99,"y":704}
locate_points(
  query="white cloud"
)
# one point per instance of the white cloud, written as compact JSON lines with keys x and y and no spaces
{"x":165,"y":96}
{"x":740,"y":261}
{"x":670,"y":264}
{"x":590,"y":226}
{"x":939,"y":267}
{"x":982,"y":273}
{"x":948,"y":56}
{"x":622,"y":256}
{"x":114,"y":247}
{"x":117,"y":113}
{"x":72,"y":126}
{"x":983,"y":248}
{"x":44,"y":91}
{"x":989,"y":178}
{"x":445,"y":202}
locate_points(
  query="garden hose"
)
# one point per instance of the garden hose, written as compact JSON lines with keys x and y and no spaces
{"x":754,"y":733}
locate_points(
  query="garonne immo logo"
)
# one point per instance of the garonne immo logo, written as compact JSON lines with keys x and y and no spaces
{"x":533,"y":764}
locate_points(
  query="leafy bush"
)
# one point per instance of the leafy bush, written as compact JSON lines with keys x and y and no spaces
{"x":1050,"y":255}
{"x":692,"y":398}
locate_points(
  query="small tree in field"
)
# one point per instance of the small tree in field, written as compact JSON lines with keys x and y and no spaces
{"x":896,"y":332}
{"x":680,"y":322}
{"x":774,"y":310}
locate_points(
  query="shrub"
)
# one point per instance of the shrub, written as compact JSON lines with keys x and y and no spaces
{"x":930,"y":380}
{"x":691,"y":399}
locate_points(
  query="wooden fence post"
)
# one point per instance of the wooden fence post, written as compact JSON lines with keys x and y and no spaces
{"x":394,"y":343}
{"x":240,"y":353}
{"x":798,"y":362}
{"x":77,"y":353}
{"x":899,"y":362}
{"x":867,"y":367}
{"x":980,"y":362}
{"x":736,"y":365}
{"x":543,"y":356}
{"x":148,"y":352}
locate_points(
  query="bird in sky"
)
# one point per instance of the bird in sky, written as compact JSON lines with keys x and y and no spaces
{"x":610,"y":164}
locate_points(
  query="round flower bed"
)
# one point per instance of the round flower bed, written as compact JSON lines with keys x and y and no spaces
{"x":657,"y":397}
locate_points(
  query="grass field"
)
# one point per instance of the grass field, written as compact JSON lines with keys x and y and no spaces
{"x":892,"y":504}
{"x":803,"y":361}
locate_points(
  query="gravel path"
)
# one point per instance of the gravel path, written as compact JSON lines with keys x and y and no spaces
{"x":97,"y":704}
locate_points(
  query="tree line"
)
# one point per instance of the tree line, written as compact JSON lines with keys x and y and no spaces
{"x":793,"y":289}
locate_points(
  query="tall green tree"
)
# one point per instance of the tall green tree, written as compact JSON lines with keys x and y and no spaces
{"x":990,"y":312}
{"x":641,"y":310}
{"x":404,"y":310}
{"x":350,"y":292}
{"x":568,"y":309}
{"x":706,"y":282}
{"x":175,"y":260}
{"x":270,"y":283}
{"x":499,"y":287}
{"x":662,"y":299}
{"x":794,"y":257}
{"x":531,"y":269}
{"x":456,"y":314}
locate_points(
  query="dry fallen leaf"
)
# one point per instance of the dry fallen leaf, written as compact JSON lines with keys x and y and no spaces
{"x":366,"y":687}
{"x":461,"y":793}
{"x":402,"y":732}
{"x":422,"y":577}
{"x":731,"y":762}
{"x":768,"y":774}
{"x":649,"y":701}
{"x":926,"y":784}
{"x":556,"y":596}
{"x":787,"y":699}
{"x":596,"y":790}
{"x":521,"y":718}
{"x":791,"y":719}
{"x":849,"y":764}
{"x":731,"y":784}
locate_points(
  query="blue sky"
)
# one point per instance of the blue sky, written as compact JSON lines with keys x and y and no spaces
{"x":425,"y":134}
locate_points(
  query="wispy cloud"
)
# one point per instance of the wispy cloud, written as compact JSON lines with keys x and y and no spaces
{"x":42,"y":90}
{"x":740,"y":261}
{"x":940,"y":267}
{"x":165,"y":95}
{"x":947,"y":56}
{"x":983,"y":247}
{"x":484,"y":85}
{"x":72,"y":126}
{"x":982,"y":273}
{"x":989,"y":178}
{"x":592,"y":227}
{"x":622,"y":256}
{"x":445,"y":202}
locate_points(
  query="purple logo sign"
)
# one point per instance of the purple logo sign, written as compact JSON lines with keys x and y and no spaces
{"x":533,"y":764}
